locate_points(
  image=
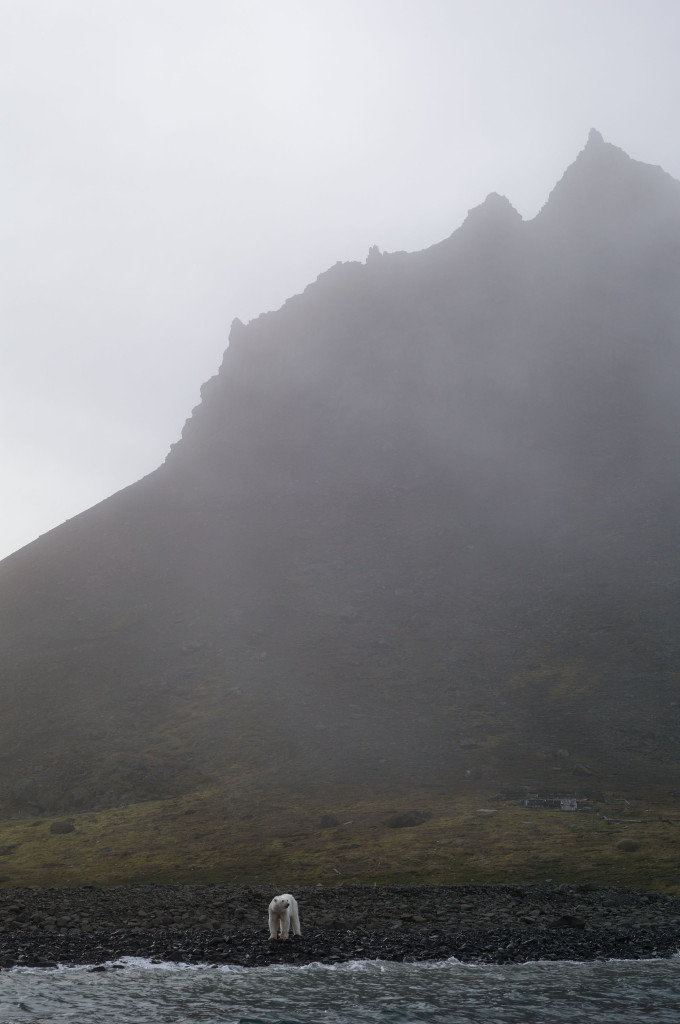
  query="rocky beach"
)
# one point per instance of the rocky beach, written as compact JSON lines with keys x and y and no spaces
{"x":227,"y":924}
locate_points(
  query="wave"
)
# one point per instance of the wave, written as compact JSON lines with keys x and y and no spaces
{"x":348,"y":966}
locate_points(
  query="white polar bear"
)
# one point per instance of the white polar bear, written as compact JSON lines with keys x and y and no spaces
{"x":283,"y":912}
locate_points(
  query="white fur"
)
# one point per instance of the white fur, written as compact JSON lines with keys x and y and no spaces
{"x":283,"y":912}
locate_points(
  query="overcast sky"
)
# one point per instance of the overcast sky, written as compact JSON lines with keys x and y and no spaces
{"x":168,"y":165}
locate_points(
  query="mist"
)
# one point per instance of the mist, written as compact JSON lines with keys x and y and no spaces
{"x":169,"y":167}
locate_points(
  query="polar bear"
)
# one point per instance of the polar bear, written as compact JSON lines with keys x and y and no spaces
{"x":283,"y":912}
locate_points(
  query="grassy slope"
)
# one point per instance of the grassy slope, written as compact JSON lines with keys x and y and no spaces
{"x":236,"y":834}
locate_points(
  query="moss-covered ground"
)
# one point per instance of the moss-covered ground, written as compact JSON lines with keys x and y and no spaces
{"x":232,"y":834}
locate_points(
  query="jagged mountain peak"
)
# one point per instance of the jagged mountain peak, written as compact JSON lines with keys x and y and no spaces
{"x":604,"y":184}
{"x":489,"y":222}
{"x":494,"y":208}
{"x":595,"y":138}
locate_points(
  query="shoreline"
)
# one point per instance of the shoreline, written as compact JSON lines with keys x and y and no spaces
{"x":226,"y":924}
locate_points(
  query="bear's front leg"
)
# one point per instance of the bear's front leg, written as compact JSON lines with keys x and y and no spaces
{"x":273,"y":926}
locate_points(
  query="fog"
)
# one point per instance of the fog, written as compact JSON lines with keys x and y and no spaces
{"x":168,"y":166}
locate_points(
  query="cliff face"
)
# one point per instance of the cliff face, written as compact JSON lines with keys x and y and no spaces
{"x":422,"y":525}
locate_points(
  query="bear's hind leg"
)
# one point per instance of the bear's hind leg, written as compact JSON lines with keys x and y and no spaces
{"x":295,"y":920}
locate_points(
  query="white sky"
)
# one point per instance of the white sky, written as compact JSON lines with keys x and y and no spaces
{"x":167,"y":165}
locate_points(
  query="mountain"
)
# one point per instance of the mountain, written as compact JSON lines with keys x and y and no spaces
{"x":421,"y":529}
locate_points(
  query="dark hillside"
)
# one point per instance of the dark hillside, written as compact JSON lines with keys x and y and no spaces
{"x":422,"y":526}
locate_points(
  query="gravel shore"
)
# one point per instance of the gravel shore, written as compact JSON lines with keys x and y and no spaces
{"x":227,"y":924}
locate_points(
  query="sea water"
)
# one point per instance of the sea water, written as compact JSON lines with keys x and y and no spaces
{"x":359,"y":992}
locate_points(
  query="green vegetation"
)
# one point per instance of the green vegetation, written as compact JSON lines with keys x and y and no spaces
{"x":231,"y":834}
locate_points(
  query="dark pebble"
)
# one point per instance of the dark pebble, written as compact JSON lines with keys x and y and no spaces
{"x":479,"y":924}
